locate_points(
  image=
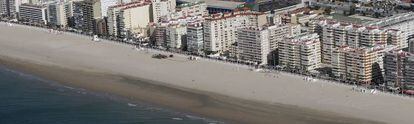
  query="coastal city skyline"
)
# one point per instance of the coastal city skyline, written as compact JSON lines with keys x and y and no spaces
{"x":344,"y":53}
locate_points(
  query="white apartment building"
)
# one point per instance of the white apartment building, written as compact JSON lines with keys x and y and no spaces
{"x":301,"y":52}
{"x":161,"y":8}
{"x":175,"y":36}
{"x":57,"y":14}
{"x":33,"y":13}
{"x":220,"y":29}
{"x":253,"y":45}
{"x":277,"y":33}
{"x":105,"y":4}
{"x":124,"y":19}
{"x":195,"y":38}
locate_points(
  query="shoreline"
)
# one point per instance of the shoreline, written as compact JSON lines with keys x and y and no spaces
{"x":210,"y":105}
{"x":257,"y":95}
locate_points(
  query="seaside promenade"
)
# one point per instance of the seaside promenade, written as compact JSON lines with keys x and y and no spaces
{"x":34,"y":45}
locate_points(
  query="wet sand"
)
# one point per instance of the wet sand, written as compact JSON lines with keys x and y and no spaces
{"x":203,"y":87}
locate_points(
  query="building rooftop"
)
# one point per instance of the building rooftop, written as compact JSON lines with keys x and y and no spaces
{"x":190,"y":4}
{"x":389,"y":21}
{"x":354,"y":19}
{"x":217,"y":3}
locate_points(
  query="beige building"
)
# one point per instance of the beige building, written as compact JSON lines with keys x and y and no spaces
{"x":220,"y":29}
{"x":129,"y":19}
{"x":301,"y":52}
{"x":355,"y":64}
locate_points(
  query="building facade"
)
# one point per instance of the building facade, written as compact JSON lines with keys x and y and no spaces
{"x":105,"y":4}
{"x":356,"y":64}
{"x":411,"y":47}
{"x":8,"y":8}
{"x":57,"y":14}
{"x":36,"y":14}
{"x":176,"y":36}
{"x":84,"y":14}
{"x":161,"y":8}
{"x":409,"y":70}
{"x":335,"y":34}
{"x":253,"y":45}
{"x":301,"y":52}
{"x":195,"y":39}
{"x":220,"y":29}
{"x":129,"y":19}
{"x":394,"y":67}
{"x":277,"y":33}
{"x":403,"y":22}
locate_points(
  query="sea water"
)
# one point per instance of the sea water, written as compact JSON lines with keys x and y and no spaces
{"x":27,"y":99}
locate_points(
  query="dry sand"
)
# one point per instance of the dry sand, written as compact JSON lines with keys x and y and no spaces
{"x":214,"y":89}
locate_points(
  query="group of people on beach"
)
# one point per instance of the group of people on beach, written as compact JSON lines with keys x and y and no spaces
{"x":363,"y":90}
{"x":57,"y":32}
{"x":8,"y":24}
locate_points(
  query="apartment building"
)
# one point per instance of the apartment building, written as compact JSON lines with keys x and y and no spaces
{"x":301,"y":52}
{"x":403,"y":22}
{"x":36,"y":14}
{"x":220,"y":29}
{"x":411,"y":47}
{"x":176,"y":36}
{"x":84,"y":14}
{"x":125,"y":20}
{"x":105,"y":4}
{"x":394,"y":67}
{"x":195,"y":38}
{"x":57,"y":14}
{"x":8,"y":7}
{"x":196,"y":8}
{"x":335,"y":34}
{"x":355,"y":64}
{"x":277,"y":33}
{"x":253,"y":45}
{"x":161,"y":8}
{"x":397,"y":38}
{"x":160,"y":35}
{"x":409,"y":70}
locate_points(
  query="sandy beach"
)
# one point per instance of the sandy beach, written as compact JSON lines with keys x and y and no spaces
{"x":204,"y":87}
